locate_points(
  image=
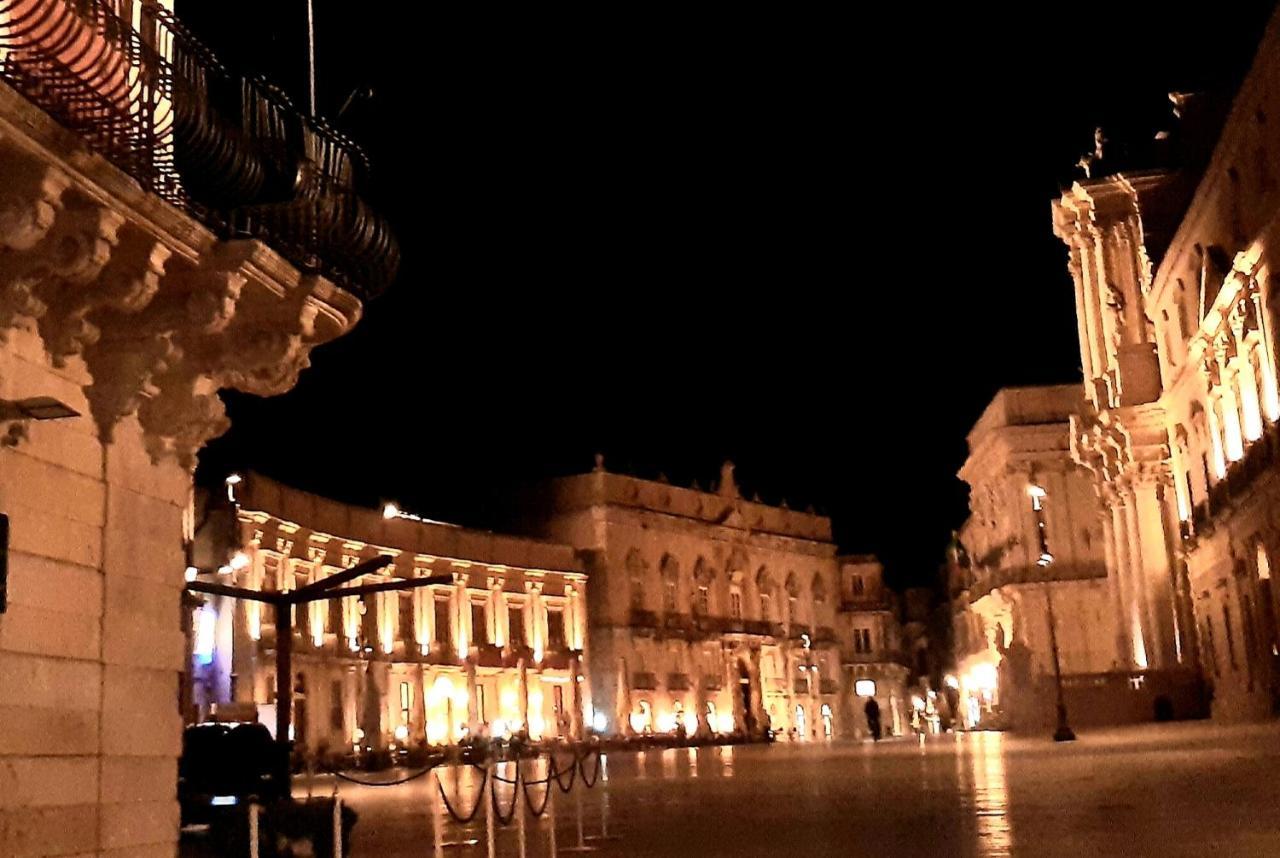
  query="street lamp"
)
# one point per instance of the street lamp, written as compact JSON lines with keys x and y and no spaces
{"x":1038,"y":495}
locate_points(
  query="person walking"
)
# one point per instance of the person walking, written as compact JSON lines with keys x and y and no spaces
{"x":872,"y":710}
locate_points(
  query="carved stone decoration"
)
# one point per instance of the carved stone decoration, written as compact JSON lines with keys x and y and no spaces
{"x":127,"y":283}
{"x":70,"y":255}
{"x":30,"y":200}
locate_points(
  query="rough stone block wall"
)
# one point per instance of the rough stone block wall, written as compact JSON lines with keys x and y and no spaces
{"x":91,"y":644}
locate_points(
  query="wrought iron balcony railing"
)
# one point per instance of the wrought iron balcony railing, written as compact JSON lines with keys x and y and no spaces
{"x":230,"y":150}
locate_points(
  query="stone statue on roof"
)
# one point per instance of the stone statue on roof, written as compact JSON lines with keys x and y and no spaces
{"x":728,"y":488}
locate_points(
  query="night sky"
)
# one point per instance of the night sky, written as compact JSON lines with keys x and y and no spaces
{"x":814,"y":245}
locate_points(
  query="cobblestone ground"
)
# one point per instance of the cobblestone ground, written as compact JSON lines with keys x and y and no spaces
{"x":1169,"y":790}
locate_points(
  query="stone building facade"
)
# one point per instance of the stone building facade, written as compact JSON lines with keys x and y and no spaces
{"x":708,"y":613}
{"x":501,"y":648}
{"x":1000,"y":590}
{"x":123,"y":310}
{"x":872,"y":648}
{"x":1176,"y":286}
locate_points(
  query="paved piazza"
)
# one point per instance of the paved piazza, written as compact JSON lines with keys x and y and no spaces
{"x":1183,"y":789}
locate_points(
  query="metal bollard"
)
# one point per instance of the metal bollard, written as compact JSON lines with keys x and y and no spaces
{"x":253,"y":830}
{"x":551,"y":816}
{"x":519,"y":800}
{"x":437,"y":825}
{"x":337,"y":827}
{"x":491,"y":785}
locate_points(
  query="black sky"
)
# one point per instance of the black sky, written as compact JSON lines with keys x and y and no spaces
{"x":814,"y":244}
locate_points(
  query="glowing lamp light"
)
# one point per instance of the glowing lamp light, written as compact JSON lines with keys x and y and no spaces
{"x":191,"y":573}
{"x":917,"y":703}
{"x":726,"y":722}
{"x":638,"y":722}
{"x":390,"y":511}
{"x":984,"y":677}
{"x":402,"y":733}
{"x":599,"y":721}
{"x":1045,"y":559}
{"x":206,"y":623}
{"x":225,"y":570}
{"x":667,"y":722}
{"x":358,"y":735}
{"x":865,"y":688}
{"x":501,"y":728}
{"x":239,"y":560}
{"x":691,"y":722}
{"x":950,"y":681}
{"x":234,"y":479}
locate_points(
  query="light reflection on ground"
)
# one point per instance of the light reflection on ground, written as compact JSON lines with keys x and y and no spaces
{"x":1160,"y":791}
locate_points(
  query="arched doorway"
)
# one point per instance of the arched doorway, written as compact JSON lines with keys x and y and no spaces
{"x":828,"y":722}
{"x":744,"y":688}
{"x":802,"y":727}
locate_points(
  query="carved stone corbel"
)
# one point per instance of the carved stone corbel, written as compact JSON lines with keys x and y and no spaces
{"x":70,"y":255}
{"x":29,"y":201}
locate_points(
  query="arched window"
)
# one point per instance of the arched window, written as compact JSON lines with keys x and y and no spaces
{"x":1263,"y":563}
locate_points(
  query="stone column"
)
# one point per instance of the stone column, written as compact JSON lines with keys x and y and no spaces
{"x":1154,"y":571}
{"x":1123,"y":647}
{"x":1124,"y":549}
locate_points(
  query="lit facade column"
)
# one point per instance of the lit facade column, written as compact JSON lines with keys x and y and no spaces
{"x":1124,"y":647}
{"x":1129,"y":617}
{"x":1156,"y":571}
{"x":1266,"y":357}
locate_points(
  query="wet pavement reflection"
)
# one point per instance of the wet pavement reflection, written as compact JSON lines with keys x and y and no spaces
{"x":1160,"y":791}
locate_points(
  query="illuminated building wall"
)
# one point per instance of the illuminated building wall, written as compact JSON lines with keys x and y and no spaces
{"x":500,"y":649}
{"x":1000,"y":610}
{"x":708,"y":611}
{"x":1189,"y":468}
{"x":872,"y":649}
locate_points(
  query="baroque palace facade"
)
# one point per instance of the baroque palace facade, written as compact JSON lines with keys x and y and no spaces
{"x":656,"y":610}
{"x":712,"y":613}
{"x":1177,"y":295}
{"x":499,"y":649}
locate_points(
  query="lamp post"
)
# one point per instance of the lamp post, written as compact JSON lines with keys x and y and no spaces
{"x":1063,"y":733}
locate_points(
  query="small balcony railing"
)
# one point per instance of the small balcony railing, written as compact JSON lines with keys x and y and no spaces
{"x":230,"y":150}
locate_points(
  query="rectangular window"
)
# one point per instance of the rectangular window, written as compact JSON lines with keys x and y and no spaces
{"x":735,"y":604}
{"x":858,"y":585}
{"x":862,"y":640}
{"x":669,"y":597}
{"x":336,"y":719}
{"x":479,"y":628}
{"x":442,"y":622}
{"x":406,"y":617}
{"x":703,"y":604}
{"x":555,"y":630}
{"x":557,"y":698}
{"x":515,"y":623}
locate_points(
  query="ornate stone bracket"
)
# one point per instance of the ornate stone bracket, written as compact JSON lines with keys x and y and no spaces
{"x":162,"y":314}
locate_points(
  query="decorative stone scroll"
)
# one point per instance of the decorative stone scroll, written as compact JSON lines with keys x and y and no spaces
{"x":162,"y":314}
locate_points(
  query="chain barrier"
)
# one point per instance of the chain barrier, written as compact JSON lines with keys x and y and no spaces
{"x":464,"y":819}
{"x":505,"y":819}
{"x":397,"y":782}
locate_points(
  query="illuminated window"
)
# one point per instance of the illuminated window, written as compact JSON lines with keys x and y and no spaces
{"x":864,"y":688}
{"x":1264,"y":563}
